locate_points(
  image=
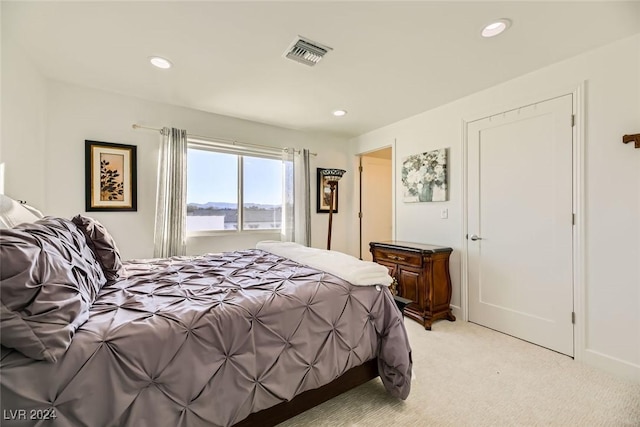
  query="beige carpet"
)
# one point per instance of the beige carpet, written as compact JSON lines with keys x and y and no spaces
{"x":468,"y":375}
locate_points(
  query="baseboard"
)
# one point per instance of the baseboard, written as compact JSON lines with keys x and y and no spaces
{"x":620,"y":368}
{"x":457,"y":311}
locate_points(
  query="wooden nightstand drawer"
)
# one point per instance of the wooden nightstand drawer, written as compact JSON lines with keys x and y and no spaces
{"x":403,"y":258}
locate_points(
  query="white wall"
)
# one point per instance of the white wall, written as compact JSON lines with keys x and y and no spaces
{"x":611,"y":313}
{"x":23,"y":124}
{"x":44,"y":154}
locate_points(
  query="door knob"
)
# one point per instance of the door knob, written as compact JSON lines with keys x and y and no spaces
{"x":475,"y":237}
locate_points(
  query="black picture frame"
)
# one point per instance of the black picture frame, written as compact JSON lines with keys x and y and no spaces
{"x":322,"y":203}
{"x":110,"y":186}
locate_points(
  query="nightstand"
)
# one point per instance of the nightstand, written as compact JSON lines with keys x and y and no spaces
{"x":422,"y":275}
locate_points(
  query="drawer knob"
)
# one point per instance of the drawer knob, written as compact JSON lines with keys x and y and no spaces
{"x":396,"y":258}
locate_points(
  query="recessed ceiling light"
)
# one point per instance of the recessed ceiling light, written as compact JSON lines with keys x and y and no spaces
{"x":160,"y":62}
{"x":495,"y":28}
{"x":339,"y":113}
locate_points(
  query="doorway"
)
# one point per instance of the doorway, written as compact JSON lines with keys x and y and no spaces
{"x":520,"y":223}
{"x":376,"y":198}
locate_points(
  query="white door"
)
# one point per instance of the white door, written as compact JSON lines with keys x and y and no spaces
{"x":375,"y":199}
{"x":520,"y":223}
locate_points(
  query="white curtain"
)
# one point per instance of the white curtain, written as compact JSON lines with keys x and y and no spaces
{"x":171,"y":203}
{"x":296,"y":209}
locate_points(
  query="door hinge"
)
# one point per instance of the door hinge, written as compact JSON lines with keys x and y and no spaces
{"x":573,"y":317}
{"x":360,"y":168}
{"x":360,"y":215}
{"x":573,"y":120}
{"x":573,"y":219}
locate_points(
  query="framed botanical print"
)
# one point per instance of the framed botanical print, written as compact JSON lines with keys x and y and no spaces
{"x":110,"y":177}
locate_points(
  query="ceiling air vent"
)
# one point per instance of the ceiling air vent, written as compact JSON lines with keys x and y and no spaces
{"x":306,"y":51}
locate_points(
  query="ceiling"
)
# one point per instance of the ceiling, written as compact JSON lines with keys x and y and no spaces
{"x":390,"y":60}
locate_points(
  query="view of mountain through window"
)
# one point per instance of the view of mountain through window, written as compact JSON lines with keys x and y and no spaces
{"x":214,"y":187}
{"x":262,"y":193}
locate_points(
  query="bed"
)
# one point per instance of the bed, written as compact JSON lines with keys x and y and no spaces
{"x":240,"y":338}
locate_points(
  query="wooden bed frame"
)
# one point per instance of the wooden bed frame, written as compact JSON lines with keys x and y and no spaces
{"x":283,"y":411}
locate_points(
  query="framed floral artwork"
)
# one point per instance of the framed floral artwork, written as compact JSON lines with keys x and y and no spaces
{"x":424,"y":177}
{"x":110,"y":177}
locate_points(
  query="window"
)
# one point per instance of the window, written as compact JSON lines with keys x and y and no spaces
{"x":218,"y":181}
{"x":262,"y":193}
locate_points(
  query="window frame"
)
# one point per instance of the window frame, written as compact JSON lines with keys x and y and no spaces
{"x":240,"y":152}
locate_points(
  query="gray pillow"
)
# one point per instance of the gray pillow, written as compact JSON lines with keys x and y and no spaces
{"x":48,"y":281}
{"x":102,"y":245}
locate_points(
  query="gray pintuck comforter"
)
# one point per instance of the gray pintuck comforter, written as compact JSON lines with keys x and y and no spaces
{"x":201,"y":341}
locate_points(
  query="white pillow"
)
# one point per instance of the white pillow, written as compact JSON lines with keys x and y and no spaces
{"x":13,"y":213}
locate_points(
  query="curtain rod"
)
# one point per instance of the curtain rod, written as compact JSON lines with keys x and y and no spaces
{"x":221,"y":140}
